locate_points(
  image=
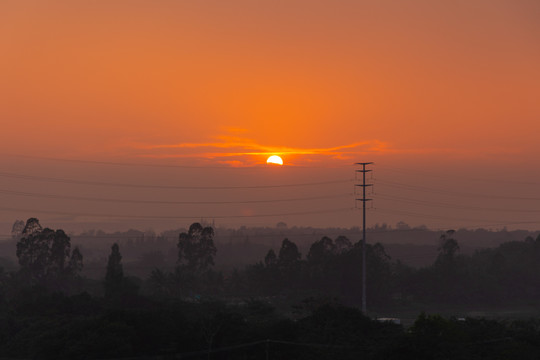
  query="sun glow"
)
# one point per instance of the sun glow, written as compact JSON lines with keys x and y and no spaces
{"x":274,"y":159}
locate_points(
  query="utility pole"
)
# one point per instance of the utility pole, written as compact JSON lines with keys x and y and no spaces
{"x":363,"y":200}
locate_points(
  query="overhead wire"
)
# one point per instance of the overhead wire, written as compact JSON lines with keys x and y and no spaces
{"x":453,"y":176}
{"x":322,"y":197}
{"x":160,"y":165}
{"x":448,"y":205}
{"x":316,"y":232}
{"x":102,"y":215}
{"x":146,"y":186}
{"x":115,"y":163}
{"x":183,"y":202}
{"x":494,"y":223}
{"x":431,"y":216}
{"x":451,"y":192}
{"x":38,"y":178}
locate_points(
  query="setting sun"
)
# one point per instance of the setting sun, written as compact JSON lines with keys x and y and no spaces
{"x":274,"y":159}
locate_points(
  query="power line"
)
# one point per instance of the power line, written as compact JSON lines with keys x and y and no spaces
{"x":154,"y":165}
{"x":115,"y":163}
{"x":427,"y":216}
{"x":448,"y":205}
{"x":460,"y":177}
{"x":126,"y":164}
{"x":220,"y":240}
{"x":494,"y":223}
{"x":112,"y":200}
{"x":451,"y":192}
{"x":115,"y":184}
{"x":319,"y":232}
{"x":101,"y":215}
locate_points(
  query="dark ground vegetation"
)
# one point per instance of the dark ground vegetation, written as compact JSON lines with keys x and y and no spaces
{"x":281,"y":307}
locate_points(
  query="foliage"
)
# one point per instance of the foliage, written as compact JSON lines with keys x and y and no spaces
{"x":448,"y":249}
{"x":118,"y":287}
{"x":289,"y":256}
{"x":270,"y":259}
{"x":114,"y":277}
{"x":196,"y":249}
{"x":43,"y":321}
{"x":45,"y":256}
{"x":17,"y":228}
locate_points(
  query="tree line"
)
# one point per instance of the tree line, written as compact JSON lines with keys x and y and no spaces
{"x":509,"y":273}
{"x":49,"y":310}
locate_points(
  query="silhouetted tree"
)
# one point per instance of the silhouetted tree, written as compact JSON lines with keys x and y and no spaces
{"x":17,"y":228}
{"x":32,"y":226}
{"x":162,"y":284}
{"x":449,"y":278}
{"x":378,"y":275}
{"x":33,"y":254}
{"x":114,"y":278}
{"x":45,"y":256}
{"x":76,"y":261}
{"x":321,"y":250}
{"x":288,"y":272}
{"x":196,"y":249}
{"x":60,"y":251}
{"x":270,"y":275}
{"x":342,"y":244}
{"x":270,"y":259}
{"x":288,"y":254}
{"x":448,"y":248}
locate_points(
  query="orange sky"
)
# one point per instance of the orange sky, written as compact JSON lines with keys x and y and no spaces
{"x":211,"y":83}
